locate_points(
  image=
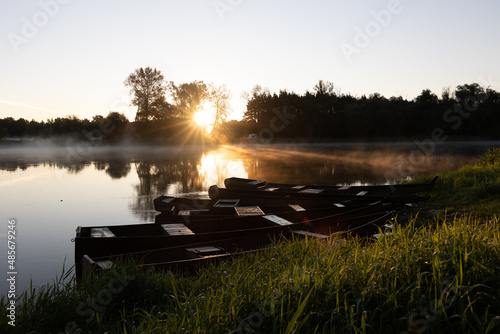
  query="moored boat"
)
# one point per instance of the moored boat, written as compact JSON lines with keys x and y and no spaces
{"x":109,"y":240}
{"x":376,"y":190}
{"x":172,"y":207}
{"x":187,"y":256}
{"x":313,"y":195}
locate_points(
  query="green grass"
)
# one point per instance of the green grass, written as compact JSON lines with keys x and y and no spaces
{"x":434,"y":275}
{"x":442,"y":277}
{"x":472,"y":189}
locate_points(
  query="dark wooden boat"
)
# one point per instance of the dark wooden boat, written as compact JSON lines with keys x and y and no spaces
{"x":228,"y":206}
{"x":191,"y":255}
{"x":180,"y":209}
{"x":378,"y":190}
{"x":311,"y":195}
{"x":170,"y":203}
{"x":231,"y":208}
{"x":109,"y":240}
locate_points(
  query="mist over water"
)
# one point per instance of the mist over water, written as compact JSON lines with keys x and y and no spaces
{"x":50,"y":188}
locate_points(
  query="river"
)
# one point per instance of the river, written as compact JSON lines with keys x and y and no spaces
{"x":47,"y":191}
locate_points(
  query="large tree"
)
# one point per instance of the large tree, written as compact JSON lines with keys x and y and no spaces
{"x":148,"y":90}
{"x":188,"y":98}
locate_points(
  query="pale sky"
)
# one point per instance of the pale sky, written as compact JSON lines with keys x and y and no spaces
{"x":70,"y":57}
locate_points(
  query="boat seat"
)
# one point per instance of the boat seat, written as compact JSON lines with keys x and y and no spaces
{"x":311,"y":191}
{"x":277,"y":220}
{"x":101,"y":232}
{"x":257,"y":183}
{"x":167,"y":199}
{"x":192,"y":212}
{"x":249,"y":211}
{"x":204,"y":251}
{"x":298,"y":187}
{"x":90,"y":266}
{"x":225,"y":206}
{"x":226,"y":203}
{"x":310,"y":234}
{"x":296,"y":207}
{"x":177,"y":229}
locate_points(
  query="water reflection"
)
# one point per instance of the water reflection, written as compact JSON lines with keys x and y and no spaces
{"x":191,"y":170}
{"x":194,"y":169}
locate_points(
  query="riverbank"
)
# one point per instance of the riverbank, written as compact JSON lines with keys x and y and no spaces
{"x":438,"y":272}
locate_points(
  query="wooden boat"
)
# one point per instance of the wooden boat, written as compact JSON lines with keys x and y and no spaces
{"x":170,"y":203}
{"x":171,"y":207}
{"x":378,"y":190}
{"x":191,"y":255}
{"x":109,"y":240}
{"x":227,"y":206}
{"x":311,"y":195}
{"x":231,"y":208}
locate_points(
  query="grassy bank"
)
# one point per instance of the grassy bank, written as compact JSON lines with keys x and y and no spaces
{"x":471,"y":190}
{"x":434,"y":275}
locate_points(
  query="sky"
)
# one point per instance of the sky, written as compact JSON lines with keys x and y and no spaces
{"x":70,"y":57}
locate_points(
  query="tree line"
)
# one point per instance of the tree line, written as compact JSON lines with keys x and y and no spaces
{"x":158,"y":119}
{"x":165,"y":114}
{"x":468,"y":110}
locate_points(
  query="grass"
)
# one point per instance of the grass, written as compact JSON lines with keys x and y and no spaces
{"x":472,"y":189}
{"x":434,"y":275}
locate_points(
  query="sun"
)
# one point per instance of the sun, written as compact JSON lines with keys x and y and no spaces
{"x":204,"y":118}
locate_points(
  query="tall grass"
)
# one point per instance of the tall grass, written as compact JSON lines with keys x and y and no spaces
{"x":442,"y":277}
{"x":473,"y":189}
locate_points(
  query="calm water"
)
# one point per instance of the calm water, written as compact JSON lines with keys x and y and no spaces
{"x":51,"y":191}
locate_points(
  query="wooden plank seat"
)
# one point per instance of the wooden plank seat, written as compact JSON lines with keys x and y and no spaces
{"x":226,"y":203}
{"x":249,"y":211}
{"x":101,"y":232}
{"x":277,"y":220}
{"x":310,"y":234}
{"x":311,"y":191}
{"x":177,"y":229}
{"x":296,"y":207}
{"x":204,"y":251}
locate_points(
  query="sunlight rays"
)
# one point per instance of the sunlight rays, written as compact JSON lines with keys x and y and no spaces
{"x":205,"y":117}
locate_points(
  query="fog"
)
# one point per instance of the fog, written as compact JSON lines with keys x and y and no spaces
{"x":331,"y":163}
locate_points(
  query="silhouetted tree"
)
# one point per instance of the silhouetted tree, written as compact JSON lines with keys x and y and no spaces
{"x":324,"y":88}
{"x":258,"y":104}
{"x":188,"y":98}
{"x":117,"y":123}
{"x":148,"y":90}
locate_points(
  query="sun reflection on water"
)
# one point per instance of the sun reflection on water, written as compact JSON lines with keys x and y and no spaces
{"x":217,"y":165}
